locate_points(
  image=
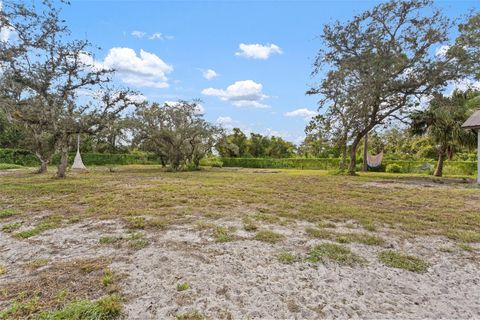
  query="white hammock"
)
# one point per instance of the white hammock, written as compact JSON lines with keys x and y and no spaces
{"x":375,"y":161}
{"x":77,"y":162}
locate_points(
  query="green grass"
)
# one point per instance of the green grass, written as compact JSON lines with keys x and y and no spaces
{"x":466,"y":247}
{"x":5,"y":166}
{"x":10,"y":227}
{"x":106,"y":308}
{"x":399,"y":260}
{"x":6,"y":213}
{"x":183,"y":286}
{"x":329,"y":252}
{"x":222,"y":234}
{"x":37,"y":230}
{"x":249,"y":224}
{"x":268,"y":236}
{"x":364,"y":238}
{"x":2,"y":269}
{"x":107,"y":278}
{"x":37,"y":263}
{"x":286,"y":257}
{"x":191,"y":315}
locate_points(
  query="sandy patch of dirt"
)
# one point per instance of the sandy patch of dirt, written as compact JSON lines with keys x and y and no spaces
{"x":243,"y":279}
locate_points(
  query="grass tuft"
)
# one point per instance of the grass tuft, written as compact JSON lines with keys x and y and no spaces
{"x":268,"y":236}
{"x":249,"y":224}
{"x":286,"y":257}
{"x":364,"y":238}
{"x":106,"y":308}
{"x":464,"y":235}
{"x":191,"y":315}
{"x":43,"y":226}
{"x":222,"y":234}
{"x":8,"y":228}
{"x":6,"y":213}
{"x":398,"y":260}
{"x":183,"y":286}
{"x":329,"y":252}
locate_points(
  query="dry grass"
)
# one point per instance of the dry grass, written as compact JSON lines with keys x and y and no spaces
{"x":148,"y":197}
{"x":55,"y":287}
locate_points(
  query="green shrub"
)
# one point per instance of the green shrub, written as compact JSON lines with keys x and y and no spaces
{"x":6,"y":166}
{"x":393,"y":168}
{"x":211,"y":162}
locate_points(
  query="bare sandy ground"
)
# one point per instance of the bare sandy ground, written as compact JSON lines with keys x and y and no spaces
{"x":243,"y":279}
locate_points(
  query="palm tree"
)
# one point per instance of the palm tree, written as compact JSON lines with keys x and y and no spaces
{"x":442,"y":122}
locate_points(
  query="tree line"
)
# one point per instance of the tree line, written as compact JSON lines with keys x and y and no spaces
{"x":375,"y":73}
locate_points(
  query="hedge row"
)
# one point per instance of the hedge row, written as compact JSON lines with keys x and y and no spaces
{"x":26,"y":158}
{"x":405,"y":166}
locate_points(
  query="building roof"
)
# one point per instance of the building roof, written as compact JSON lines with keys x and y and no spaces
{"x":473,"y":122}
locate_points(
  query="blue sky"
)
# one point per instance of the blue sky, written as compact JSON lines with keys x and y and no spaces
{"x":260,"y":53}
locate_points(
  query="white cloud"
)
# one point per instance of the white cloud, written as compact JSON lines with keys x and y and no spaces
{"x":156,"y":35}
{"x":246,"y":93}
{"x":442,"y":51}
{"x":160,"y":36}
{"x":258,"y":51}
{"x":5,"y":34}
{"x":209,"y":74}
{"x":138,"y":34}
{"x":302,"y":112}
{"x":465,"y":84}
{"x":144,"y":70}
{"x":224,"y":121}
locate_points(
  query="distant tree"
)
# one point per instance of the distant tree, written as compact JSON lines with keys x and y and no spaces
{"x":279,"y":148}
{"x":442,"y":122}
{"x":383,"y":59}
{"x":176,"y":132}
{"x":257,"y":145}
{"x":233,"y":145}
{"x":43,"y":76}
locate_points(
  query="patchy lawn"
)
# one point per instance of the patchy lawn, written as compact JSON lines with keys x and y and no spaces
{"x":237,"y":243}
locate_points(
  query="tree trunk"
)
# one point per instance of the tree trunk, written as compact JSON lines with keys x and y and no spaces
{"x":353,"y":158}
{"x":62,"y":166}
{"x":439,"y":169}
{"x":365,"y":154}
{"x":43,"y":164}
{"x":343,"y":162}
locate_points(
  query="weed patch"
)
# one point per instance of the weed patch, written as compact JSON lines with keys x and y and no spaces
{"x":329,"y":252}
{"x":268,"y":236}
{"x":398,"y":260}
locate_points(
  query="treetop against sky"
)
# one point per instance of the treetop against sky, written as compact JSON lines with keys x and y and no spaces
{"x":250,"y":62}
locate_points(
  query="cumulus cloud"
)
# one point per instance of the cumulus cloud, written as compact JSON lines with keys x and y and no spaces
{"x":258,"y":51}
{"x":246,"y":93}
{"x":143,"y":70}
{"x":209,"y":74}
{"x":138,"y":34}
{"x":302,"y":112}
